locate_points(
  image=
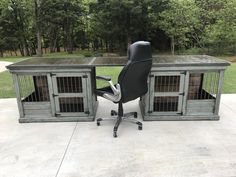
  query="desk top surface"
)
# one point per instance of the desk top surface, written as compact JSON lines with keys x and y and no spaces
{"x":82,"y":62}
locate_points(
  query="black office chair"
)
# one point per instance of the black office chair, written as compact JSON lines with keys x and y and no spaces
{"x":132,"y":83}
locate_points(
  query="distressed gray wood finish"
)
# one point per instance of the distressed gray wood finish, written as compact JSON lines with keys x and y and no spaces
{"x":200,"y":107}
{"x":150,"y":117}
{"x":186,"y":85}
{"x":220,"y":85}
{"x":58,"y":95}
{"x":50,"y":88}
{"x":158,"y":61}
{"x":49,"y":111}
{"x":18,"y":96}
{"x":154,"y":94}
{"x":36,"y":105}
{"x":169,"y":65}
{"x":37,"y":109}
{"x":34,"y":119}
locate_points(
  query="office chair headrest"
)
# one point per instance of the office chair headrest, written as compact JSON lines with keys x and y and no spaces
{"x":139,"y":51}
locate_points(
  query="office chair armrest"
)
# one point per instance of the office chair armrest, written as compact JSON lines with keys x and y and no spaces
{"x":116,"y":90}
{"x":105,"y":78}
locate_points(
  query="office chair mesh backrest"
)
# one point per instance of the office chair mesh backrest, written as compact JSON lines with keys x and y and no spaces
{"x":133,"y":77}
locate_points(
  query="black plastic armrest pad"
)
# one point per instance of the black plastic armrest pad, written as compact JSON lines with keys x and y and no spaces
{"x":106,"y":78}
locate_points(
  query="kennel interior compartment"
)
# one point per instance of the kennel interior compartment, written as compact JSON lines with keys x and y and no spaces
{"x":202,"y":93}
{"x":34,"y":95}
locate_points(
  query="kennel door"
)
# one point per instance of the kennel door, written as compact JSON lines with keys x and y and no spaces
{"x":70,"y":94}
{"x":167,"y":91}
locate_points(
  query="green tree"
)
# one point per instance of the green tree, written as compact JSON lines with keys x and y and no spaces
{"x":119,"y":22}
{"x":179,"y":20}
{"x":221,"y":35}
{"x":16,"y":15}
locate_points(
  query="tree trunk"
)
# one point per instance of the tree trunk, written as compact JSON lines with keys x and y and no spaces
{"x":21,"y":49}
{"x":51,"y":48}
{"x":15,"y":51}
{"x":173,"y":45}
{"x":1,"y":53}
{"x":25,"y":45}
{"x":129,"y":42}
{"x":25,"y":50}
{"x":69,"y":45}
{"x":58,"y":46}
{"x":101,"y":44}
{"x":34,"y":49}
{"x":106,"y":42}
{"x":55,"y":44}
{"x":39,"y":43}
{"x":53,"y":41}
{"x":69,"y":39}
{"x":111,"y":46}
{"x":38,"y":28}
{"x":234,"y":50}
{"x":68,"y":36}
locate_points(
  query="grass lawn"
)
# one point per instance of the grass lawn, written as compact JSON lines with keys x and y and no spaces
{"x":7,"y":91}
{"x":229,"y":58}
{"x":229,"y":85}
{"x":6,"y":85}
{"x":13,"y":59}
{"x":109,"y":71}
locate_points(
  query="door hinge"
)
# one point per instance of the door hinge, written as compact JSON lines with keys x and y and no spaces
{"x":87,"y":112}
{"x":57,"y":114}
{"x":182,"y":93}
{"x":180,"y":113}
{"x":85,"y":76}
{"x":52,"y":74}
{"x":54,"y":95}
{"x":151,"y":75}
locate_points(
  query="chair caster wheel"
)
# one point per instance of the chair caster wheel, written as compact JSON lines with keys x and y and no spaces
{"x":135,"y":115}
{"x":115,"y":135}
{"x":113,"y":113}
{"x":98,"y":121}
{"x":140,"y":127}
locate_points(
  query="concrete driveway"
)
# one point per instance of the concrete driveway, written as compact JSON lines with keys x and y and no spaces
{"x":168,"y":148}
{"x":3,"y":65}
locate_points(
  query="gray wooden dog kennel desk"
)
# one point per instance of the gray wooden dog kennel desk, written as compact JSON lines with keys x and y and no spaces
{"x":62,"y":89}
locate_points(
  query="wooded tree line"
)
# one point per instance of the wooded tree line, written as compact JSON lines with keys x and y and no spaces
{"x":29,"y":26}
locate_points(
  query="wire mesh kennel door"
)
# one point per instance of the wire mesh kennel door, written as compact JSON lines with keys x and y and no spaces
{"x":70,"y":94}
{"x":168,"y":92}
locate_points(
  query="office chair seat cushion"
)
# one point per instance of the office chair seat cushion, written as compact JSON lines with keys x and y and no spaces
{"x":102,"y":91}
